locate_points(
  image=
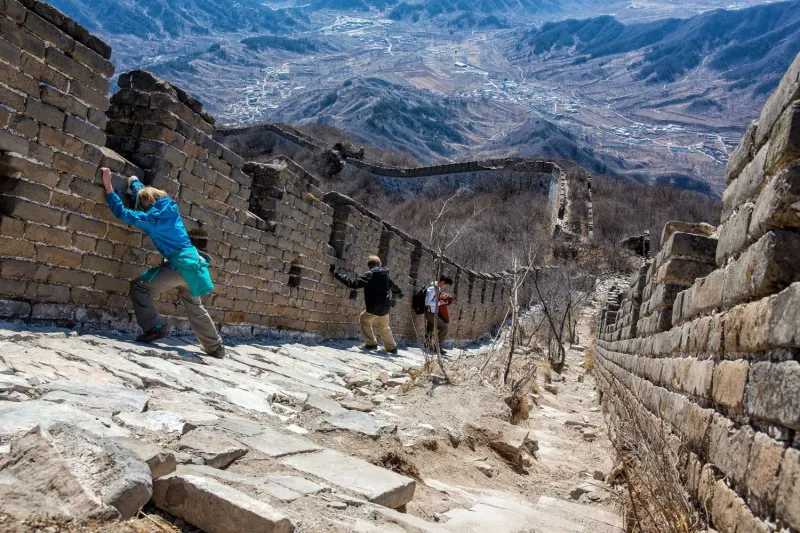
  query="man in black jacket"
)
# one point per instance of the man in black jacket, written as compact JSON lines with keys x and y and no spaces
{"x":378,"y":291}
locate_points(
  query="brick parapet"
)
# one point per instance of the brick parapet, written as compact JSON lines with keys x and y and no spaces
{"x":714,"y":350}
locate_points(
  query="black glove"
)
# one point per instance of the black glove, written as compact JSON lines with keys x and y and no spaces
{"x":332,"y":269}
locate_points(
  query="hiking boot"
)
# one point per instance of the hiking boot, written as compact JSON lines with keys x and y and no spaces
{"x":153,"y":334}
{"x":219,"y":353}
{"x":368,"y":347}
{"x":393,"y":351}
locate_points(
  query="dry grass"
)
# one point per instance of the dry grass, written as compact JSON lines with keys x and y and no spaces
{"x":588,"y":362}
{"x":650,"y":455}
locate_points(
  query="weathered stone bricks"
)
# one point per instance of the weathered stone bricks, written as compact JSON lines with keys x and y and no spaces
{"x":787,"y":506}
{"x":762,"y":473}
{"x":772,"y":393}
{"x":58,"y":256}
{"x":788,"y":91}
{"x":743,"y":153}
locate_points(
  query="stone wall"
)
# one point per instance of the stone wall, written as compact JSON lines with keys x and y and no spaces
{"x":269,"y":229}
{"x":706,"y":338}
{"x":558,"y":187}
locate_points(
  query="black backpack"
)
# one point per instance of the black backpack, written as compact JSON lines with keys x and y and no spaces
{"x":418,"y":301}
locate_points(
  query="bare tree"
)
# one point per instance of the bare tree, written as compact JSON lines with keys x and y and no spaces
{"x":445,"y":233}
{"x":559,"y":294}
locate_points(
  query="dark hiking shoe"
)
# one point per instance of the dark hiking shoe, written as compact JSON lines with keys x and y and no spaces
{"x":219,"y":353}
{"x":368,"y":347}
{"x":393,"y":352}
{"x":153,"y":334}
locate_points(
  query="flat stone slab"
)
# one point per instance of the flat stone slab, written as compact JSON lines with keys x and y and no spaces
{"x":156,"y":421}
{"x":277,"y":444}
{"x":259,"y":484}
{"x":216,"y":508}
{"x":160,"y":461}
{"x":19,"y":418}
{"x":105,"y":398}
{"x":215,"y":449}
{"x":376,"y":484}
{"x":321,"y":403}
{"x":360,"y":423}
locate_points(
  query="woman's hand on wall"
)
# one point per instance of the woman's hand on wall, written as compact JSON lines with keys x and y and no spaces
{"x":107,"y":180}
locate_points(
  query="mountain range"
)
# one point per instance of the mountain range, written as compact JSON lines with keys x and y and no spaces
{"x":751,"y":46}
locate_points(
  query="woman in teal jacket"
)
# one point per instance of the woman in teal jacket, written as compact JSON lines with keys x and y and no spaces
{"x":183,"y":268}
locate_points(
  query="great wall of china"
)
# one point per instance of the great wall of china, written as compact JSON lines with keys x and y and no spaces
{"x":705,"y":341}
{"x":703,"y":347}
{"x":270,"y":230}
{"x":559,"y":188}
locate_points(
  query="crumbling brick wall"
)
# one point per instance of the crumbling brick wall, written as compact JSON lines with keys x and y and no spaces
{"x":706,"y":339}
{"x":270,"y":231}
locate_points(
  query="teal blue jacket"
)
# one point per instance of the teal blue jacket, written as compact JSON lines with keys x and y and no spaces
{"x":162,"y":223}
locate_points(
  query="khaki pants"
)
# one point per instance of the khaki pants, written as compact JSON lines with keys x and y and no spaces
{"x":366,"y":320}
{"x":147,"y":316}
{"x":441,"y":330}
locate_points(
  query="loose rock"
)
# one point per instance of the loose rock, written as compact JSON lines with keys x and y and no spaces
{"x":66,"y":470}
{"x":214,"y":449}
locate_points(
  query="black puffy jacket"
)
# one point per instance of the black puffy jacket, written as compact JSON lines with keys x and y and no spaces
{"x":378,"y":288}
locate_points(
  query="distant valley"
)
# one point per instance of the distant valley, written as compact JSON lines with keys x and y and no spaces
{"x":618,"y":86}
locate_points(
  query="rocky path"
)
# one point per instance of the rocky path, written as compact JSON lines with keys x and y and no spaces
{"x":284,"y":436}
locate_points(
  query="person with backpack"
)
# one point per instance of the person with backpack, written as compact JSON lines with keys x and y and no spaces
{"x":379,"y":293}
{"x":184,"y":266}
{"x":440,"y":308}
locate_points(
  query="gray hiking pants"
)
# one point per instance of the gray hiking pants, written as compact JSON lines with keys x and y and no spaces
{"x":147,"y":316}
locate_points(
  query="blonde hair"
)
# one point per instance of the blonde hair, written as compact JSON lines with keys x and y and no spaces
{"x":373,"y":261}
{"x":147,"y":196}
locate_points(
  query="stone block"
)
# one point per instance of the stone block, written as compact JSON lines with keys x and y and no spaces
{"x":376,"y":484}
{"x":772,"y":322}
{"x":49,"y":32}
{"x":683,"y":271}
{"x":762,"y":473}
{"x":729,"y":448}
{"x":787,"y":92}
{"x":213,"y":448}
{"x":84,"y":130}
{"x":214,"y":507}
{"x":743,"y":153}
{"x":778,"y":206}
{"x":730,"y":384}
{"x":787,"y":505}
{"x":746,"y":186}
{"x":733,"y":234}
{"x":725,"y":508}
{"x":21,"y":37}
{"x":73,"y":166}
{"x":14,"y":309}
{"x":691,"y":246}
{"x":93,"y":60}
{"x":784,"y":145}
{"x":13,"y":10}
{"x":64,"y":102}
{"x":66,"y":470}
{"x":39,"y":70}
{"x":767,"y":267}
{"x":14,"y":143}
{"x":161,"y":462}
{"x":771,"y":393}
{"x":46,"y":114}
